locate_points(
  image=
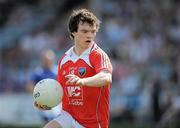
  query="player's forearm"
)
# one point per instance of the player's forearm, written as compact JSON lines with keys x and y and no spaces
{"x":98,"y":80}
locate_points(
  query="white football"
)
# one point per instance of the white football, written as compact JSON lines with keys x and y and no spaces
{"x":48,"y":93}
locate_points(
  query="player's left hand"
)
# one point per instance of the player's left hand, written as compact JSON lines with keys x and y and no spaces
{"x":74,"y":80}
{"x":40,"y":107}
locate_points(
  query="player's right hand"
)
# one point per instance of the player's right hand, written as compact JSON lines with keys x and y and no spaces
{"x":41,"y":107}
{"x":74,"y":80}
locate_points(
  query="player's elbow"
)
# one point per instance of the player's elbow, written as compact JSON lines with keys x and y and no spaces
{"x":105,"y":78}
{"x":108,"y":79}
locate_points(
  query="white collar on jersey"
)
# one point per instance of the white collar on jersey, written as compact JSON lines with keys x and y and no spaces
{"x":71,"y":55}
{"x":87,"y":51}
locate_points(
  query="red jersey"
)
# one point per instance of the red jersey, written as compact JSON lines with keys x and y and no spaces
{"x":87,"y":105}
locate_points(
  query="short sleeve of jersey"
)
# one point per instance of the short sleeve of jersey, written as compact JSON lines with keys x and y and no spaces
{"x":58,"y":75}
{"x":59,"y":69}
{"x":100,"y":61}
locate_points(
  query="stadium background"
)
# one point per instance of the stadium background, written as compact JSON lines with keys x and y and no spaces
{"x":142,"y":38}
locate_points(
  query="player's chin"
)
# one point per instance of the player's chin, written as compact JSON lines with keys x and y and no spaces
{"x":87,"y":45}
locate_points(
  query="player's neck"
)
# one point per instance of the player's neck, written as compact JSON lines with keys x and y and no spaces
{"x":78,"y":51}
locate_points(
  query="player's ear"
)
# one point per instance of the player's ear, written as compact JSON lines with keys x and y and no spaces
{"x":73,"y":34}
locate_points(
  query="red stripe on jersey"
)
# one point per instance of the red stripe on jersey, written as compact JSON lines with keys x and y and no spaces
{"x":104,"y":60}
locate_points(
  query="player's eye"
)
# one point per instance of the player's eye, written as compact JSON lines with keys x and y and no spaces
{"x":84,"y":31}
{"x":93,"y":31}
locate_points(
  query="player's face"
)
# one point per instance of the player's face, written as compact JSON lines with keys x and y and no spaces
{"x":85,"y":35}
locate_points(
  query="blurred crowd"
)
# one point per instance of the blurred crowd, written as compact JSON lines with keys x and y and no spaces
{"x":142,"y":38}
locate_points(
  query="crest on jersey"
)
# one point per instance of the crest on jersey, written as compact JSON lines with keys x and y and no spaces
{"x":82,"y":71}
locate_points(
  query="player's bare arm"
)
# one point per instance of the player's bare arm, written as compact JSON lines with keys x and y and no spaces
{"x":103,"y":78}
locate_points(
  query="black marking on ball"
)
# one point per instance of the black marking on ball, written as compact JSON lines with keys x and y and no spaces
{"x":36,"y":95}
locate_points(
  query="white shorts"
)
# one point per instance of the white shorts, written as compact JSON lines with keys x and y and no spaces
{"x":67,"y":121}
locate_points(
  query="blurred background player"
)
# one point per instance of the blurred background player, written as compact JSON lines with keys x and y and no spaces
{"x":48,"y":69}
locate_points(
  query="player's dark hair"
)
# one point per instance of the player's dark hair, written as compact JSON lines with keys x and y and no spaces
{"x":82,"y":15}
